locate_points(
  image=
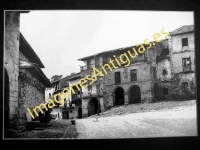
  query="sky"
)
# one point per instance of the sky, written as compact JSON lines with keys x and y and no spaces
{"x":60,"y":38}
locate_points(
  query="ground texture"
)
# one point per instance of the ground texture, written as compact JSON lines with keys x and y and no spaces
{"x":161,"y":119}
{"x":164,"y":119}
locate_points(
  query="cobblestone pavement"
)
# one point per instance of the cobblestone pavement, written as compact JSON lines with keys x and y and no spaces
{"x":179,"y":121}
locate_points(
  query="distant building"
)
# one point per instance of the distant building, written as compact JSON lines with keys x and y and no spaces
{"x":76,"y":97}
{"x":32,"y":82}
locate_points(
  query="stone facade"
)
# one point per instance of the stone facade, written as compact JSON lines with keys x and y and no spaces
{"x":11,"y":65}
{"x":144,"y":65}
{"x":160,"y":74}
{"x":24,"y":85}
{"x":31,"y":93}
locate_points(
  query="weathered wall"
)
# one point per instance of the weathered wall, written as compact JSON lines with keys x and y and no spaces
{"x":178,"y":52}
{"x":78,"y":105}
{"x":177,"y":42}
{"x":11,"y":61}
{"x":164,"y":65}
{"x":144,"y":78}
{"x":177,"y":61}
{"x":31,"y":93}
{"x":177,"y":80}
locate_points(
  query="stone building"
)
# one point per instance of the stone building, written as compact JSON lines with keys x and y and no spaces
{"x":31,"y":81}
{"x":76,"y":97}
{"x":11,"y":67}
{"x":182,"y":51}
{"x":176,"y":66}
{"x":163,"y":72}
{"x":24,"y":81}
{"x":59,"y":83}
{"x":124,"y":85}
{"x":55,"y":81}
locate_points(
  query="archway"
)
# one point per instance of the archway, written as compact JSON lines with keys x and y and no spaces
{"x":156,"y":91}
{"x":6,"y":99}
{"x":92,"y":106}
{"x":134,"y":94}
{"x":119,"y":96}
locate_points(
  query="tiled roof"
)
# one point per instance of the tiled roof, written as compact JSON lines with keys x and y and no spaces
{"x":183,"y":29}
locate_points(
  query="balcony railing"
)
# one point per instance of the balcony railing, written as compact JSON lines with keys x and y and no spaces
{"x":86,"y":94}
{"x":84,"y":68}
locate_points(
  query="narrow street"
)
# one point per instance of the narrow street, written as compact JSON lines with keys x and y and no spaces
{"x":164,"y":123}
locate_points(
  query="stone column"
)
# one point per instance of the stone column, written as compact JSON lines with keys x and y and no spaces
{"x":12,"y":61}
{"x":171,"y":54}
{"x":84,"y":107}
{"x":101,"y":104}
{"x":126,"y":98}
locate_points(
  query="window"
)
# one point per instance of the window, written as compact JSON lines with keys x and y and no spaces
{"x":184,"y":42}
{"x":164,"y":72}
{"x":50,"y":95}
{"x":88,"y":64}
{"x":97,"y":62}
{"x":186,"y":64}
{"x":165,"y":91}
{"x":117,"y":77}
{"x":134,"y":75}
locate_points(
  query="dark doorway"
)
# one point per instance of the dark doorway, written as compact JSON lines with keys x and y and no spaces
{"x":65,"y":114}
{"x":119,"y":96}
{"x":80,"y":113}
{"x":134,"y":94}
{"x":156,"y":92}
{"x":93,"y":106}
{"x":6,"y":99}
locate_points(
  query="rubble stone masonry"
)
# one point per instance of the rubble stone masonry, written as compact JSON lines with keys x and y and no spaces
{"x":31,"y":94}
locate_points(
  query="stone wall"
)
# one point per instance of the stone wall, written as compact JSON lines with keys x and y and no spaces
{"x":177,"y":80}
{"x":31,"y":93}
{"x":11,"y":62}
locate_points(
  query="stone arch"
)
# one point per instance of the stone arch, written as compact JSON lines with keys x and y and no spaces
{"x":118,"y":93}
{"x":92,"y":106}
{"x":134,"y":93}
{"x":6,"y":99}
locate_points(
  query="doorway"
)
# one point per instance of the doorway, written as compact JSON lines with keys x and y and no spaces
{"x":93,"y":106}
{"x":65,"y":114}
{"x":119,"y":96}
{"x":80,"y":113}
{"x":134,"y":94}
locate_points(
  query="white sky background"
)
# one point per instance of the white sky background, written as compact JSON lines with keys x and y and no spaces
{"x":60,"y":38}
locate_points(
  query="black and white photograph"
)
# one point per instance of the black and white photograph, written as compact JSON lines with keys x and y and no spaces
{"x":99,"y":74}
